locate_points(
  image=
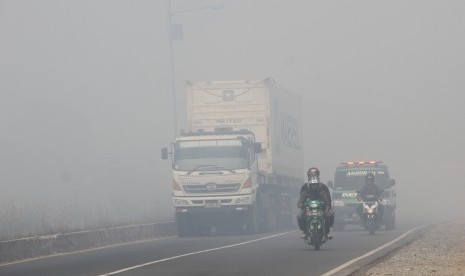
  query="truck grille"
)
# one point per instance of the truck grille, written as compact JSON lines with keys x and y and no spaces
{"x":212,"y":189}
{"x":202,"y":202}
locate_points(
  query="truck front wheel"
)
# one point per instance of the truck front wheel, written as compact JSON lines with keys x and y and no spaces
{"x":251,"y":224}
{"x":182,"y":226}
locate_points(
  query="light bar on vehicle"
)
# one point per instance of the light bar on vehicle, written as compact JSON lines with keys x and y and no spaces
{"x":362,"y":163}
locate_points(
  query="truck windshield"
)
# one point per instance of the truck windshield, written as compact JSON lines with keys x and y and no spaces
{"x":224,"y":157}
{"x":354,"y":180}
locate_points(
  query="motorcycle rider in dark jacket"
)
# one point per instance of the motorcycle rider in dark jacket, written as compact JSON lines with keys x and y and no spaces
{"x":314,"y":190}
{"x":370,"y":188}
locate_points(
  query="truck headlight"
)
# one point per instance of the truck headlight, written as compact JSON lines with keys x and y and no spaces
{"x":243,"y":200}
{"x":181,"y":202}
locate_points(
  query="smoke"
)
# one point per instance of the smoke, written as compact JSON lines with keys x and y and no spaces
{"x":86,"y":97}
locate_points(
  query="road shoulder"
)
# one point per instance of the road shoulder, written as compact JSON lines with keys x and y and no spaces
{"x":438,"y":251}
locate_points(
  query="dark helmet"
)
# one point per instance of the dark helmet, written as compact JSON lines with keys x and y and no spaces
{"x":370,"y":178}
{"x":313,"y":171}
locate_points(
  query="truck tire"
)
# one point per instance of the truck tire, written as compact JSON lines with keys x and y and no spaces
{"x":338,"y":226}
{"x":286,"y":221}
{"x":390,"y":219}
{"x":251,"y":223}
{"x":182,"y":226}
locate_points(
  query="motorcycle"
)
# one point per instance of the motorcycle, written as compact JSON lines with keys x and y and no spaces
{"x":316,"y":234}
{"x":370,"y":214}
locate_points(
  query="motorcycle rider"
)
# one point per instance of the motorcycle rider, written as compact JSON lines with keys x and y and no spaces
{"x":328,"y":194}
{"x":315,"y":190}
{"x":370,"y":188}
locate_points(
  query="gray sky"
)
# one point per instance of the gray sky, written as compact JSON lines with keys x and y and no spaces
{"x":85,"y":101}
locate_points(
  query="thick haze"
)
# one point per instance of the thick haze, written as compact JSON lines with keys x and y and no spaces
{"x":85,"y":97}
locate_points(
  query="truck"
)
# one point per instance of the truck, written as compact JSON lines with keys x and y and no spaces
{"x":239,"y":164}
{"x":349,"y":178}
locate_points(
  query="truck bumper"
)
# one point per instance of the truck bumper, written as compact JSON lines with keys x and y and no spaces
{"x":215,"y":216}
{"x":346,"y":215}
{"x":214,"y":210}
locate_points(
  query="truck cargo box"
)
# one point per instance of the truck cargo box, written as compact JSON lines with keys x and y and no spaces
{"x":263,"y":107}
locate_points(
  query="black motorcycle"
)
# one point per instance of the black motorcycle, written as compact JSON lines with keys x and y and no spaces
{"x":370,"y":213}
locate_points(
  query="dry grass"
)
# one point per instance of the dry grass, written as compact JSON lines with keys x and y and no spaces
{"x":18,"y":220}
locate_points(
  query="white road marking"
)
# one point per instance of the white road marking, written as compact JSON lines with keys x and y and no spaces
{"x":83,"y":251}
{"x":193,"y":253}
{"x":339,"y":268}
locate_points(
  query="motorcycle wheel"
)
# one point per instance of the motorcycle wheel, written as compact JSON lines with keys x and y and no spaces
{"x":316,"y":238}
{"x":371,"y":225}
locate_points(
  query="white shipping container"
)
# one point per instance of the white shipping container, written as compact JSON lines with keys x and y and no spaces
{"x":263,"y":107}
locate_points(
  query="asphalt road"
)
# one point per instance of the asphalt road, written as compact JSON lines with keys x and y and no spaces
{"x":277,"y":253}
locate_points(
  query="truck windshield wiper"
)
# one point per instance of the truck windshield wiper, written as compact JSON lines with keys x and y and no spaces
{"x":222,"y":168}
{"x":209,"y":167}
{"x":198,"y":167}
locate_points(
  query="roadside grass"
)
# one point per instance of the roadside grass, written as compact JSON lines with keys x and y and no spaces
{"x":19,"y":220}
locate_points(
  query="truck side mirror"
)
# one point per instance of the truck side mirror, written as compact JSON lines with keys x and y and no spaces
{"x":392,"y":182}
{"x":257,"y":147}
{"x":164,"y":153}
{"x":331,"y":184}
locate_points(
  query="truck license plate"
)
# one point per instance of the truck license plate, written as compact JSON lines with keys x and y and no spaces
{"x":212,"y":205}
